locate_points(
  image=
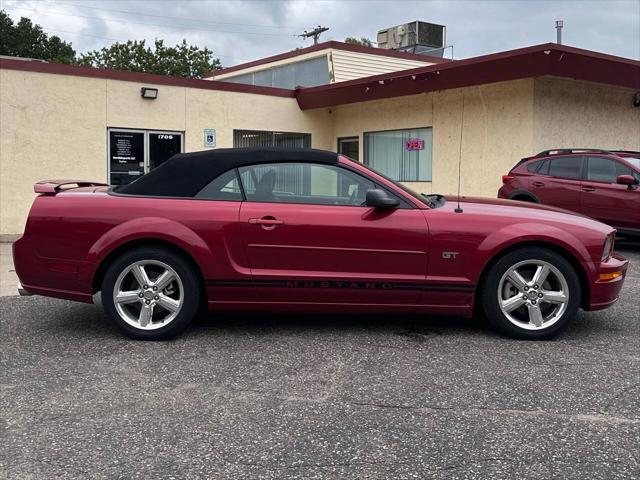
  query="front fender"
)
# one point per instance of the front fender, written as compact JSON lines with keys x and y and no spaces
{"x":522,"y":233}
{"x":152,"y":228}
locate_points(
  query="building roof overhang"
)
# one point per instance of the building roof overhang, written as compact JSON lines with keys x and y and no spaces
{"x":541,"y":60}
{"x":548,"y":59}
{"x":149,"y":78}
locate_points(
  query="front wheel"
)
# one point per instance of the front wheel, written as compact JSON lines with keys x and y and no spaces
{"x":531,"y":293}
{"x":150,"y":293}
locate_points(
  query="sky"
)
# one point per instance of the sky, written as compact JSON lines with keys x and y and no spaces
{"x":243,"y":30}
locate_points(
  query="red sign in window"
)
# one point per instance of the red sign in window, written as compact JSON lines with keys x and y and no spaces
{"x":412,"y":144}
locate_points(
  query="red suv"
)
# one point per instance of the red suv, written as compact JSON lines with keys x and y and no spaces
{"x":601,"y":184}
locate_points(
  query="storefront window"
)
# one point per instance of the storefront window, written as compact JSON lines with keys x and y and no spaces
{"x":403,"y":155}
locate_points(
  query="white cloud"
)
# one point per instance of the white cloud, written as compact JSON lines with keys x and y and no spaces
{"x":240,"y":31}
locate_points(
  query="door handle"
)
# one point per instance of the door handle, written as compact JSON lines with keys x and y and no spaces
{"x":265,"y":221}
{"x":588,"y":189}
{"x":538,"y":184}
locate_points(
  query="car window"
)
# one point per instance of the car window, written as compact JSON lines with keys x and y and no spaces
{"x":601,"y":169}
{"x":635,"y":162}
{"x":304,"y":183}
{"x":565,"y":167}
{"x":224,"y":187}
{"x":533,"y":166}
{"x":544,"y":169}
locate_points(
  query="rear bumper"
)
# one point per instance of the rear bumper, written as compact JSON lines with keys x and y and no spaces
{"x":50,"y":277}
{"x":604,"y":293}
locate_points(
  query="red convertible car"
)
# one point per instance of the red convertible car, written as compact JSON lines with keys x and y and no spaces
{"x":269,"y":230}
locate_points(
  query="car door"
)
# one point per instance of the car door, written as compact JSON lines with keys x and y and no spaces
{"x":558,"y":182}
{"x":310,"y":238}
{"x":606,"y":200}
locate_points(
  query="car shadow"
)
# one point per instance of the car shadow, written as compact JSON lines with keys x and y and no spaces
{"x":630,"y":244}
{"x":410,"y":326}
{"x":413,"y":328}
{"x":89,"y":322}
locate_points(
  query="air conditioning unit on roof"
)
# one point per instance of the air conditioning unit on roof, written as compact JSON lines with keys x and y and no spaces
{"x":415,"y":37}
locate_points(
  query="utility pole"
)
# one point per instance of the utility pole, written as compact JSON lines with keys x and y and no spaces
{"x":315,"y":33}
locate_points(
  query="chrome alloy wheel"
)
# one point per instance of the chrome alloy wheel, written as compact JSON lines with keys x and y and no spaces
{"x":533,"y":294}
{"x":148,"y":294}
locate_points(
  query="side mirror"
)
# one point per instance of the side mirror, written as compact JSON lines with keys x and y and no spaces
{"x":378,"y":198}
{"x":627,"y":180}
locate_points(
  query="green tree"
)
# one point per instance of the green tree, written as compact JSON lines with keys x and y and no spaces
{"x":180,"y":61}
{"x":365,"y":42}
{"x":24,"y":39}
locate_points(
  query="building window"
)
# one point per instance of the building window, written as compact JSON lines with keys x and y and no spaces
{"x":258,"y":138}
{"x":403,"y":155}
{"x":308,"y":73}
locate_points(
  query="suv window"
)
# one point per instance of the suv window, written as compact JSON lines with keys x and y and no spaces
{"x":224,"y":187}
{"x":307,"y":183}
{"x":566,"y":167}
{"x":601,"y":169}
{"x":544,"y":169}
{"x":533,"y":166}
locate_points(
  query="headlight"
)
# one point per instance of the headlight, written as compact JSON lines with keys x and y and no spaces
{"x":608,"y":247}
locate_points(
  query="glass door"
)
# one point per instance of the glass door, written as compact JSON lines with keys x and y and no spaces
{"x":163,"y":146}
{"x":126,"y":155}
{"x":132,"y":153}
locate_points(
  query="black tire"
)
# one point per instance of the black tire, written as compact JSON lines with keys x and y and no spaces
{"x":190,"y":284}
{"x":490,"y":289}
{"x":524,"y":198}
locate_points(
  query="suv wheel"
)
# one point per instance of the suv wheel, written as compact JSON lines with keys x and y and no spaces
{"x":150,"y":293}
{"x":525,"y":198}
{"x":531,"y":293}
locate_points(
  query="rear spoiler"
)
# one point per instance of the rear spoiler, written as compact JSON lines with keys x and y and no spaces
{"x":52,"y":187}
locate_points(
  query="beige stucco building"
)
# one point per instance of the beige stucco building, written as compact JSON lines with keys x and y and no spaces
{"x":59,"y":121}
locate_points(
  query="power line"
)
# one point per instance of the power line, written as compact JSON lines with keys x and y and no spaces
{"x":78,"y":33}
{"x":111,"y":39}
{"x":177,"y":18}
{"x":120,"y":21}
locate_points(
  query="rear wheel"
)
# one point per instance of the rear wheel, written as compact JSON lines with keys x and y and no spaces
{"x":150,"y":293}
{"x":524,"y":198}
{"x":531,"y":293}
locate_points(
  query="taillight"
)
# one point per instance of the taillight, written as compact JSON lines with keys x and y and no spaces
{"x":506,"y":178}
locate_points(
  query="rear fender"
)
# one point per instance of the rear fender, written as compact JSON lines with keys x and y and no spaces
{"x":152,"y":228}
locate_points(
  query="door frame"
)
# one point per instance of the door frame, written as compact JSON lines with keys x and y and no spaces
{"x":145,"y":132}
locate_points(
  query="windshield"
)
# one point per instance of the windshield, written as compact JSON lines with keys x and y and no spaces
{"x":633,"y":161}
{"x":434,"y":201}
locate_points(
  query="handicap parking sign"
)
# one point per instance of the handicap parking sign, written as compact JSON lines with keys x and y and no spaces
{"x":209,"y":138}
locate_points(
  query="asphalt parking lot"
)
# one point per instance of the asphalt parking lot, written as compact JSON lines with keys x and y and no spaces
{"x":308,"y":397}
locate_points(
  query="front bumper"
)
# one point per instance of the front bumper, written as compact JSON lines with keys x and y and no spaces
{"x":605,"y":292}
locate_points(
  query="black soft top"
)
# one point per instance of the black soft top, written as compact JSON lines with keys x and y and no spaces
{"x":185,"y":174}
